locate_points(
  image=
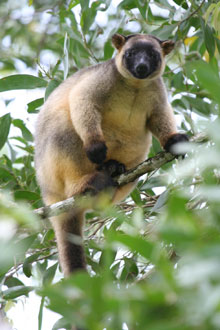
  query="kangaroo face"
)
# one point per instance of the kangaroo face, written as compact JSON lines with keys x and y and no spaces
{"x":141,"y":56}
{"x":142,"y":59}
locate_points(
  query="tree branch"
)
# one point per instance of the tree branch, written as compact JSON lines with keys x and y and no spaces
{"x":149,"y":165}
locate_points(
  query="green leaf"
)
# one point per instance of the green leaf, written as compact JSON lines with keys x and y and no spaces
{"x":108,"y":50}
{"x":66,"y":56}
{"x":84,"y":4}
{"x":5,"y":123}
{"x":87,"y":18}
{"x":27,"y":265}
{"x":143,"y":7}
{"x":49,"y":235}
{"x":182,"y":3}
{"x":34,"y":105}
{"x":22,"y":140}
{"x":128,"y":4}
{"x":208,"y":12}
{"x":27,"y":269}
{"x":60,"y":324}
{"x":50,"y":87}
{"x":217,"y":41}
{"x":209,"y":40}
{"x":161,"y":201}
{"x":156,"y":145}
{"x":25,"y":243}
{"x":165,"y":31}
{"x":14,"y":251}
{"x":27,"y":135}
{"x":21,"y":81}
{"x":49,"y":274}
{"x":17,"y":291}
{"x":71,"y":16}
{"x":206,"y":77}
{"x":135,"y":243}
{"x":130,"y":270}
{"x":198,"y":105}
{"x":153,"y":182}
{"x":40,"y":315}
{"x":5,"y":174}
{"x":107,"y":257}
{"x":178,"y":81}
{"x":12,"y":282}
{"x":26,"y":195}
{"x":136,"y":196}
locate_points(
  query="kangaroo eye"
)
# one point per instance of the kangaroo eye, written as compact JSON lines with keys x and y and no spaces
{"x":129,"y":53}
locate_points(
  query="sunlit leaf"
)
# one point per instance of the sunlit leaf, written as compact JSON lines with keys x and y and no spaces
{"x":51,"y":86}
{"x":136,"y":244}
{"x":49,"y":274}
{"x":17,"y":291}
{"x":61,"y":323}
{"x":40,"y":314}
{"x":34,"y":105}
{"x":25,"y":131}
{"x":21,"y":81}
{"x":206,"y":77}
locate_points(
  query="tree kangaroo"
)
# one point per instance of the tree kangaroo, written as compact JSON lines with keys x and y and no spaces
{"x":98,"y":123}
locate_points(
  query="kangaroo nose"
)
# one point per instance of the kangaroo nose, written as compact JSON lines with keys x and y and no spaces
{"x":142,"y":70}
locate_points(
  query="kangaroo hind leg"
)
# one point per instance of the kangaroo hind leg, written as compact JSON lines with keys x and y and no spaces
{"x":69,"y":226}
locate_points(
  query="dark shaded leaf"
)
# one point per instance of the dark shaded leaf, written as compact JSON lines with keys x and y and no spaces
{"x":26,"y":195}
{"x":27,"y":265}
{"x":208,"y":38}
{"x":5,"y":174}
{"x":182,"y":3}
{"x":135,"y":195}
{"x":128,"y":4}
{"x":13,"y":281}
{"x":5,"y":123}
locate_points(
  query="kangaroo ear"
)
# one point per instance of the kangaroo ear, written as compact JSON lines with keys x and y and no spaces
{"x":118,"y":40}
{"x":167,"y":46}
